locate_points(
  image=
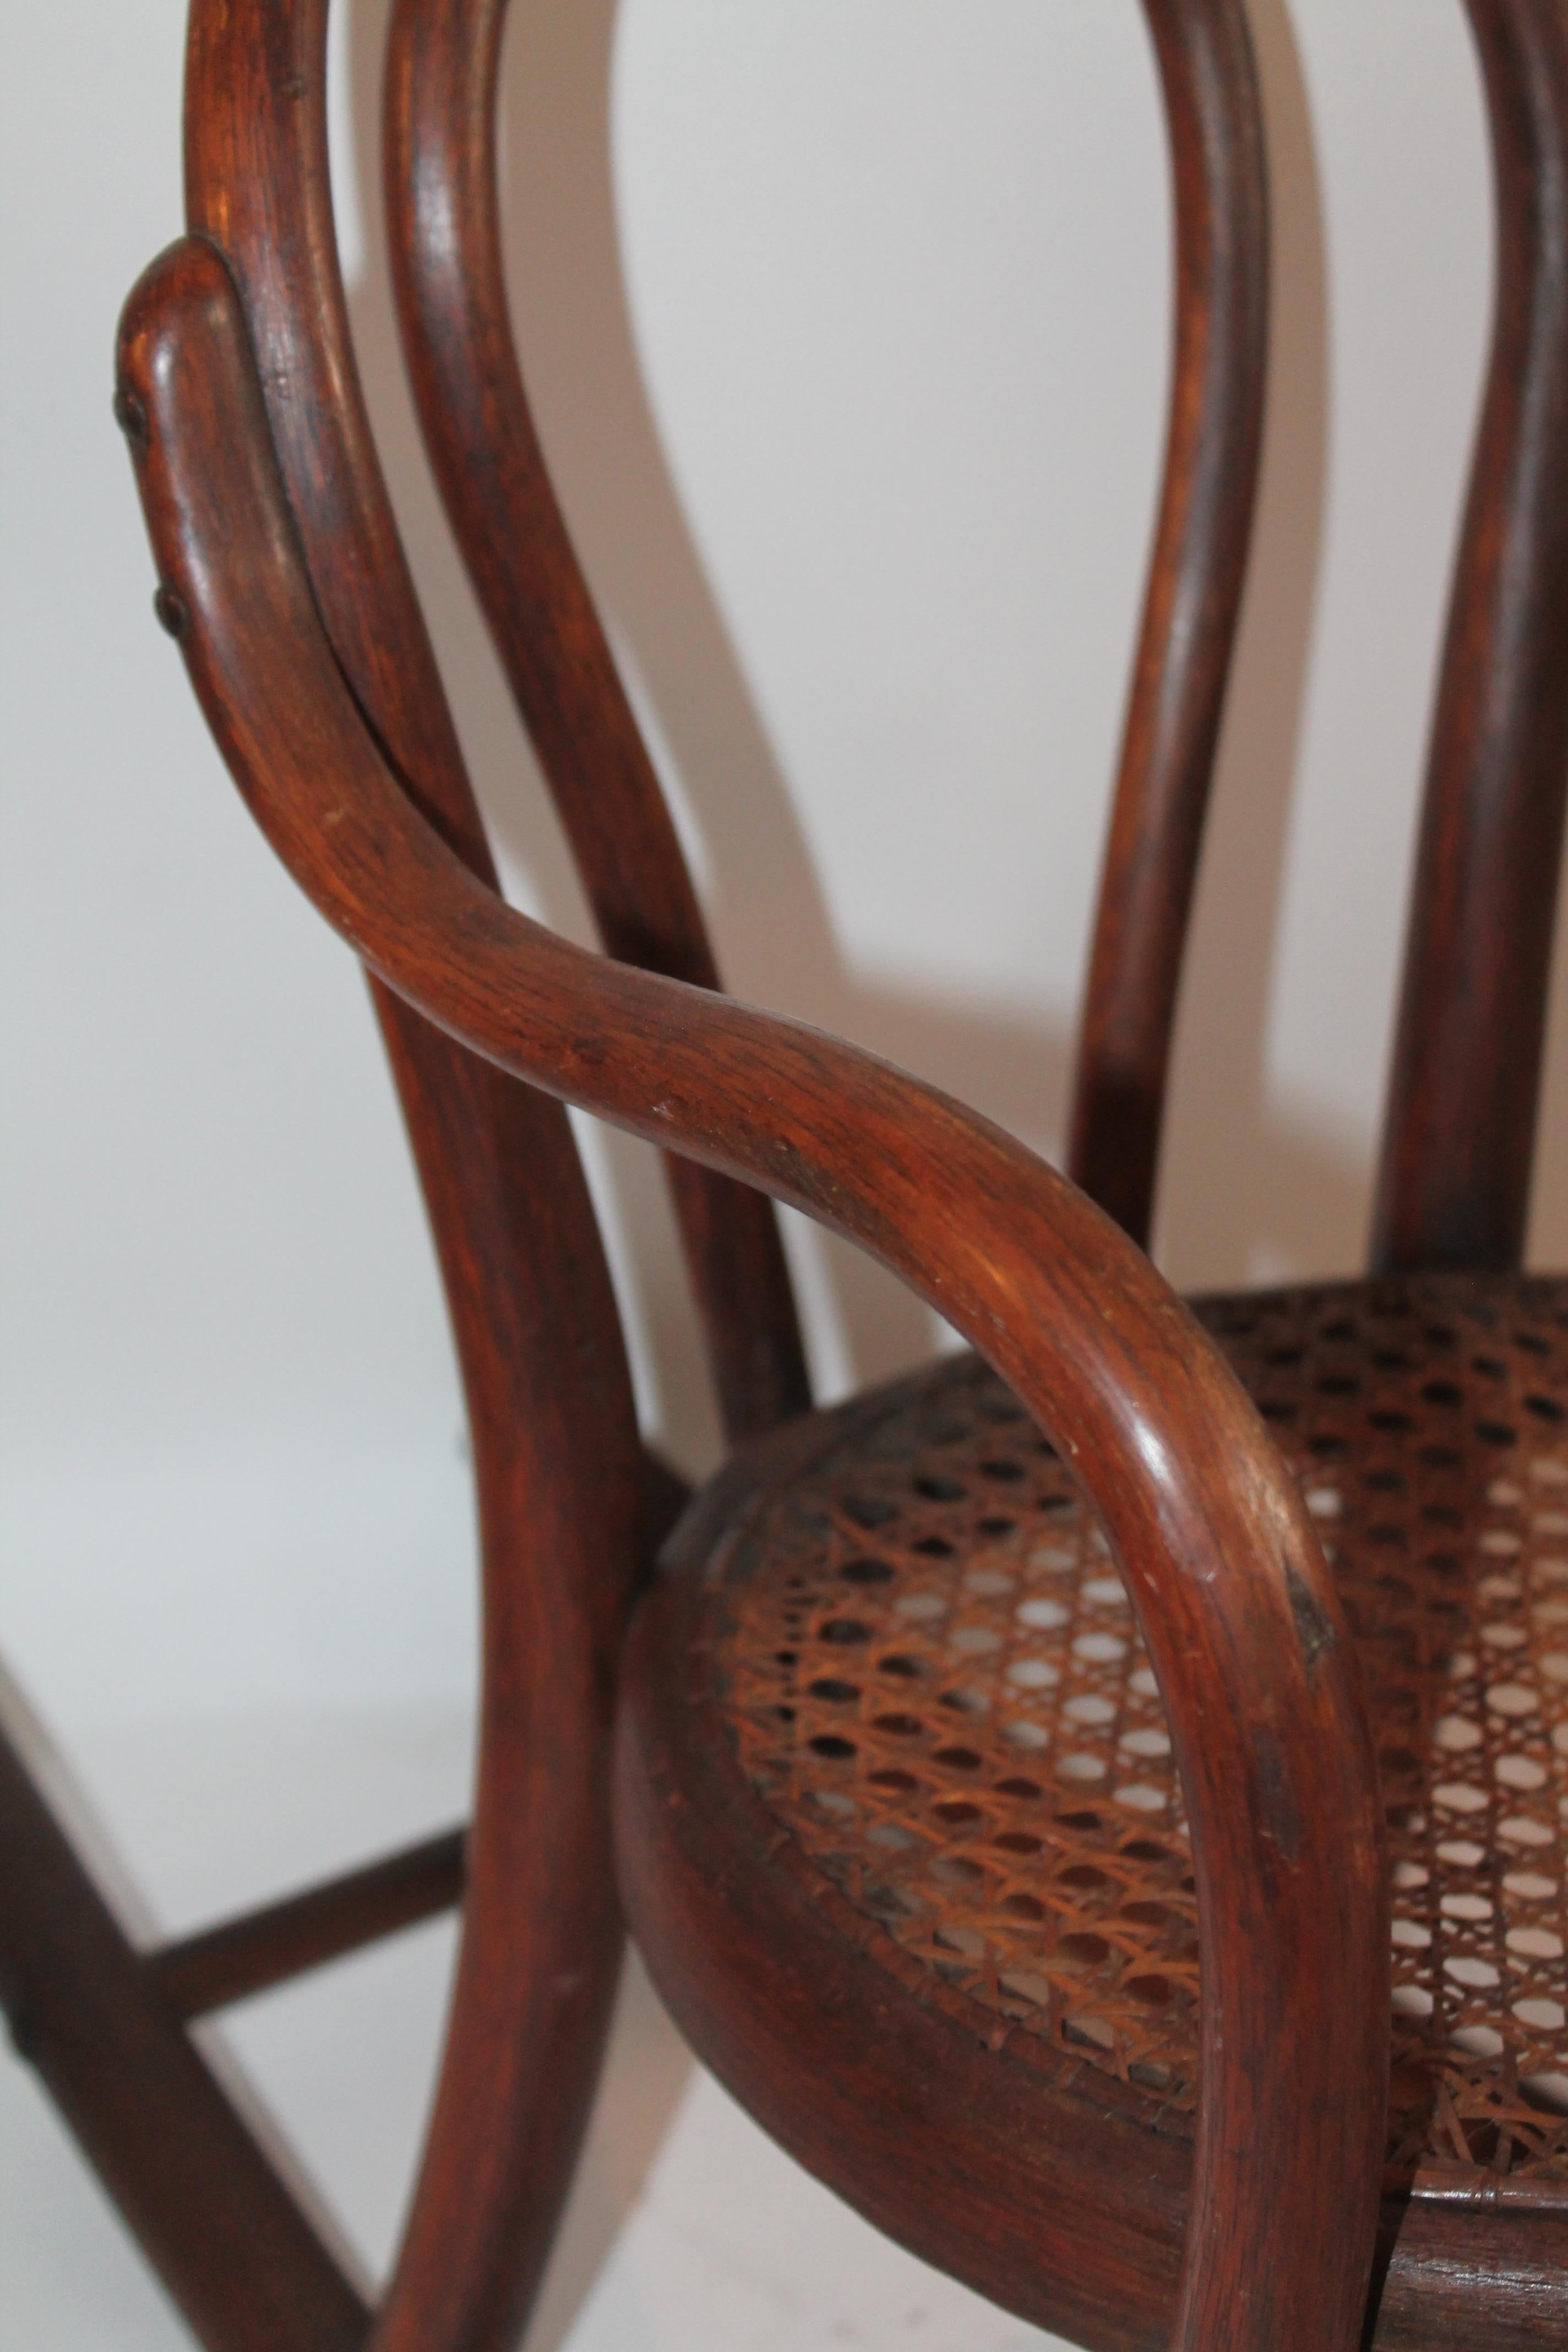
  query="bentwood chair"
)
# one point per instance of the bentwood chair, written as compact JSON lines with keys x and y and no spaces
{"x":1101,"y":1801}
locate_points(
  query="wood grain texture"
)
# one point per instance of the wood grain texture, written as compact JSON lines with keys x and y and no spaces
{"x":444,"y":223}
{"x":1213,"y":114}
{"x":260,"y":1948}
{"x":242,"y":2262}
{"x":1219,"y":1558}
{"x":1454,"y":1185}
{"x":1026,"y":2176}
{"x":946,"y":2140}
{"x":557,"y":1470}
{"x":1494,"y":2287}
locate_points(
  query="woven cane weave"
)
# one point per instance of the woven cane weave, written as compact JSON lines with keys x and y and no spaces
{"x":933,"y":1681}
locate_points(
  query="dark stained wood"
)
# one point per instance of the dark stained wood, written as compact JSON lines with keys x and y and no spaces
{"x":281,"y":574}
{"x":1042,"y":2194}
{"x":267,"y":1947}
{"x":1231,"y":1588}
{"x":951,"y":2146}
{"x":257,"y":182}
{"x":1213,"y":113}
{"x":1494,"y":2286}
{"x":561,"y":1503}
{"x":549,"y":1398}
{"x":570,"y":1506}
{"x":1454,"y":1187}
{"x":233,"y":2249}
{"x":444,"y":218}
{"x":665,"y":1496}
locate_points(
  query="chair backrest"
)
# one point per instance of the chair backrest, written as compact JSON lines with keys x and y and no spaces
{"x":1454,"y":1186}
{"x":442,"y":193}
{"x":1455,"y":1163}
{"x":1454,"y":1183}
{"x":256,"y":181}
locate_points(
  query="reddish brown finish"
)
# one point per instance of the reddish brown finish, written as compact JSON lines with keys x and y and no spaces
{"x":233,"y":2249}
{"x":1494,"y":2287}
{"x":445,"y":220}
{"x":926,"y":1671}
{"x":1224,"y":1569}
{"x":852,"y":1894}
{"x":561,"y":1503}
{"x":1215,"y":118}
{"x":545,"y":1373}
{"x":568,"y":1506}
{"x":282,"y":575}
{"x":1455,"y":1183}
{"x":1028,"y":2179}
{"x":265,"y":1948}
{"x":950,"y":2144}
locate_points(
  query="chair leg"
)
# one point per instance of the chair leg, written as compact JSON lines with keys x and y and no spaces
{"x":269,"y":1947}
{"x":243,"y":2261}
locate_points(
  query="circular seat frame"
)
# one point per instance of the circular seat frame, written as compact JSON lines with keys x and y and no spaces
{"x":895,"y":1671}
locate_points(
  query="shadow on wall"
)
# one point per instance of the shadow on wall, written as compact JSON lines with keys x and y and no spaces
{"x":1246,"y":1192}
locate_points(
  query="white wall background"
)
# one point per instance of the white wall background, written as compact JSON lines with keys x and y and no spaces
{"x":846,"y":324}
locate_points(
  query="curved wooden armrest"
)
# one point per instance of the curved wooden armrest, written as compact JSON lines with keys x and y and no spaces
{"x":1219,"y":1557}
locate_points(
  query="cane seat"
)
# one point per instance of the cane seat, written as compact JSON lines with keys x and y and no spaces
{"x":931,"y":1684}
